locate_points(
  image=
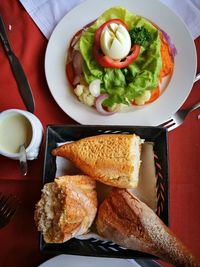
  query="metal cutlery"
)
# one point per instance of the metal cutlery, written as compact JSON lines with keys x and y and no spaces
{"x":23,"y":160}
{"x":178,"y":118}
{"x":8,"y":206}
{"x":22,"y":82}
{"x":197,"y":78}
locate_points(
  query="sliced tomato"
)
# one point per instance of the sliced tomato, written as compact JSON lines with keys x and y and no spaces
{"x":107,"y":62}
{"x":154,"y":95}
{"x":70,"y":73}
{"x":75,"y":38}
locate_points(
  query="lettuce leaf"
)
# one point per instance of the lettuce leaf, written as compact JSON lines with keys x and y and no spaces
{"x":123,"y":85}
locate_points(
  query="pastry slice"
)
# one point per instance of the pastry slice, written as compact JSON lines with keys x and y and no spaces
{"x":125,"y":220}
{"x":67,"y":208}
{"x":113,"y":159}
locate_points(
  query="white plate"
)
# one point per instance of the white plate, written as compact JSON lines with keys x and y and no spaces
{"x":151,"y":115}
{"x":69,"y":261}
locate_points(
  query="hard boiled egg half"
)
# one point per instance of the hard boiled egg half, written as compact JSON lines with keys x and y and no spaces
{"x":115,"y":41}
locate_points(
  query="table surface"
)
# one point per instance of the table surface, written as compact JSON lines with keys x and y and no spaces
{"x":19,"y":240}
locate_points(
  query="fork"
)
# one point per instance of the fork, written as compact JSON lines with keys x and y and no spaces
{"x":178,"y":118}
{"x":8,"y":207}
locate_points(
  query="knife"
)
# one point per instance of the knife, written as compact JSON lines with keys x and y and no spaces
{"x":20,"y":77}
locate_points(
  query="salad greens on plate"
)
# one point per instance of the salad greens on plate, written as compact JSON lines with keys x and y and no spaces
{"x":109,"y":83}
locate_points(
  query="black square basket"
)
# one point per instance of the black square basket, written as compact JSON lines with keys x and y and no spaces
{"x":93,"y":247}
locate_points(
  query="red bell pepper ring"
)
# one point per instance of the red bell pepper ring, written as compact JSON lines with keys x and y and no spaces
{"x":106,"y":61}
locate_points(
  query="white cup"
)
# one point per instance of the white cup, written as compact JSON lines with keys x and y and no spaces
{"x":19,"y":127}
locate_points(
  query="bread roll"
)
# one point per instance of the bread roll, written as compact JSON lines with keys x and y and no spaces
{"x":113,"y":159}
{"x":125,"y":220}
{"x":67,"y":208}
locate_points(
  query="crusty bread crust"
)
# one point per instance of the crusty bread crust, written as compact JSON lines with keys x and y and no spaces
{"x":67,"y":208}
{"x":113,"y":159}
{"x":125,"y":220}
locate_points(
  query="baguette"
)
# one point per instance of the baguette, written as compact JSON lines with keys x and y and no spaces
{"x":67,"y":208}
{"x":125,"y":220}
{"x":113,"y":159}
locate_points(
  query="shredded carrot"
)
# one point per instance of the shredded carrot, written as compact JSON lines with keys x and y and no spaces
{"x":155,"y":93}
{"x":167,"y":66}
{"x":167,"y":59}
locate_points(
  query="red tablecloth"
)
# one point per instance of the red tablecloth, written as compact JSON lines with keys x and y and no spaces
{"x":19,"y":240}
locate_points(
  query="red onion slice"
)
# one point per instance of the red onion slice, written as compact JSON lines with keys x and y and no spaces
{"x":77,"y":62}
{"x":168,"y":39}
{"x":76,"y":38}
{"x":76,"y":80}
{"x":99,"y":107}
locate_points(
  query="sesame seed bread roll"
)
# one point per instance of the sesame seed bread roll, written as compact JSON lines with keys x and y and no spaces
{"x":67,"y":208}
{"x":113,"y":159}
{"x":125,"y":220}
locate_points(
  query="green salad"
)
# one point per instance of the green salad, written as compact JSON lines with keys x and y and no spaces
{"x":122,"y":85}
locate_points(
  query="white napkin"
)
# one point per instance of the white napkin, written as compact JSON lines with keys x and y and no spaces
{"x":47,"y":13}
{"x":189,"y":11}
